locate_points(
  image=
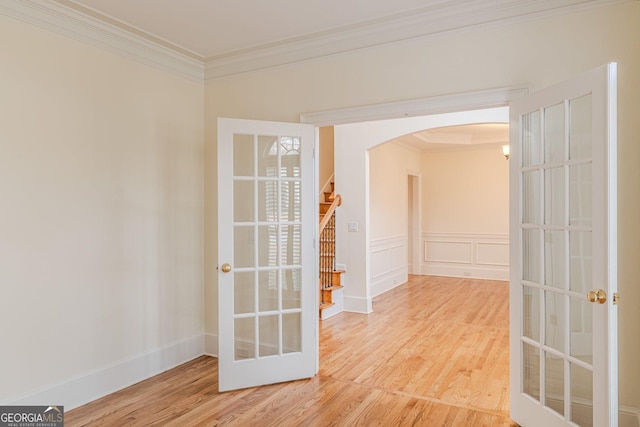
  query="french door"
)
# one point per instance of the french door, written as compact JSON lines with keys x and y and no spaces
{"x":267,"y":281}
{"x":563,"y":291}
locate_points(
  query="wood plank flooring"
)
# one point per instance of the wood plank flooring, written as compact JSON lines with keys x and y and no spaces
{"x":435,"y":352}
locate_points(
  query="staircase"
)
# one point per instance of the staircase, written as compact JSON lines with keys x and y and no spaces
{"x":329,"y":277}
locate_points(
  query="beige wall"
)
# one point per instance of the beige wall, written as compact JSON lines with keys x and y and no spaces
{"x":465,"y":191}
{"x":389,"y":165}
{"x":101,"y":207}
{"x":537,"y":53}
{"x":325,"y":161}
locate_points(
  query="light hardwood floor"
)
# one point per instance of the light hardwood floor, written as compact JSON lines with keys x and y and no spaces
{"x":435,"y":352}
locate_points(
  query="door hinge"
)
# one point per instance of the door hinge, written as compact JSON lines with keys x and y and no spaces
{"x":616,"y":298}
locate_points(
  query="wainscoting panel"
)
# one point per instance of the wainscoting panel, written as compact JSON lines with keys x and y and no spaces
{"x":388,"y":264}
{"x":448,"y":251}
{"x":480,"y":256}
{"x":492,"y":254}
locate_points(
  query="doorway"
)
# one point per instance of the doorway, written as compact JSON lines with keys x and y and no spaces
{"x":413,"y":223}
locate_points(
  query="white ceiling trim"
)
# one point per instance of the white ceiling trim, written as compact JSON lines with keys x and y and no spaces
{"x":64,"y":20}
{"x":468,"y":101}
{"x":432,"y":21}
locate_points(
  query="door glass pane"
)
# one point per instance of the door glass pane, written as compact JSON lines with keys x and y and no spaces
{"x":291,"y":333}
{"x":554,"y":320}
{"x":268,"y":290}
{"x":554,"y":196}
{"x":267,"y":156}
{"x":291,"y":245}
{"x":243,"y":155}
{"x":531,"y":139}
{"x":580,"y":137}
{"x":531,"y":255}
{"x":531,"y":313}
{"x":531,"y":371}
{"x":581,"y":324}
{"x":554,"y":134}
{"x":291,"y":285}
{"x":269,"y":343}
{"x":581,"y":396}
{"x":243,"y":201}
{"x":267,"y":201}
{"x":243,"y":246}
{"x":268,"y":245}
{"x":580,"y":252}
{"x":580,"y":190}
{"x":291,"y":198}
{"x":243,"y":292}
{"x":244,"y":338}
{"x":554,"y":259}
{"x":290,"y":151}
{"x":554,"y":382}
{"x":531,"y":197}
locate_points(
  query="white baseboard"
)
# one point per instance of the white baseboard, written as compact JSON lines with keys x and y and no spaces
{"x":211,"y":345}
{"x":468,"y":272}
{"x":358,"y":305}
{"x":101,"y":382}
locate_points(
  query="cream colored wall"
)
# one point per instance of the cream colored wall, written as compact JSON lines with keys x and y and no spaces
{"x":325,"y":161}
{"x":389,"y":165}
{"x":465,"y":191}
{"x":101,"y":207}
{"x":537,"y":53}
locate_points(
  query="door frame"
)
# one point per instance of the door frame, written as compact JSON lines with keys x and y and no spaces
{"x":414,"y":221}
{"x":358,"y":248}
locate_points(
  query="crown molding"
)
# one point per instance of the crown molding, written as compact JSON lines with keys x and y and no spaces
{"x":441,"y":19}
{"x":61,"y":19}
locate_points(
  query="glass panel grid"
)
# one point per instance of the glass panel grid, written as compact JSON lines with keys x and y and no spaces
{"x":531,"y":141}
{"x":555,"y":259}
{"x":581,"y":329}
{"x":531,"y":370}
{"x":580,"y":194}
{"x":556,"y":222}
{"x":580,"y":130}
{"x":531,"y":313}
{"x":269,"y":335}
{"x":554,"y":379}
{"x":532,"y":254}
{"x":555,"y":320}
{"x":554,"y":196}
{"x":581,"y":386}
{"x":267,"y":242}
{"x":554,"y":133}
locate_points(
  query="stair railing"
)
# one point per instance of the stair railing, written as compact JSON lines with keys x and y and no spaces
{"x":327,"y":233}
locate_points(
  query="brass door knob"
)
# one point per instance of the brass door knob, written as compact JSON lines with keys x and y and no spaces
{"x":598,"y":296}
{"x":226,"y":268}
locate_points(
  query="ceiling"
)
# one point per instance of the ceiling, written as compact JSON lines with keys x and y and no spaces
{"x":461,"y":137}
{"x":209,"y":28}
{"x":293,"y":30}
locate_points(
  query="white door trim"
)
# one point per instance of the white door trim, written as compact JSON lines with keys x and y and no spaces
{"x":464,"y":101}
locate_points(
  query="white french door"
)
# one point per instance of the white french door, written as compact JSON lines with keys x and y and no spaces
{"x":267,"y":281}
{"x":563,"y":232}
